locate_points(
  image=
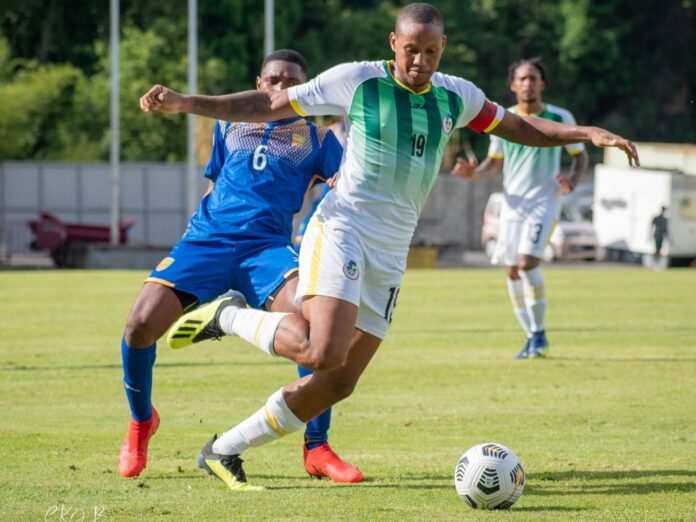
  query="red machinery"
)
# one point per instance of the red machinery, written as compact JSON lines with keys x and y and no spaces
{"x":59,"y":238}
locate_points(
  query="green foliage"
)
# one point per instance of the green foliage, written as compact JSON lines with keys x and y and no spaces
{"x":32,"y":108}
{"x":604,"y":426}
{"x":622,"y":64}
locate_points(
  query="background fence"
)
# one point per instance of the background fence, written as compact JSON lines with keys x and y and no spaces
{"x":154,"y":195}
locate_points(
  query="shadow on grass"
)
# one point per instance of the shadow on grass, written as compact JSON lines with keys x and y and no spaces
{"x":595,"y":482}
{"x":542,"y":484}
{"x":211,"y":364}
{"x":368,"y":482}
{"x":625,"y":360}
{"x":559,"y":509}
{"x":609,"y":475}
{"x":176,"y":476}
{"x":570,"y":329}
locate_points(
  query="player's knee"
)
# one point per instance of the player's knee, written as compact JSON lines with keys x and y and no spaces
{"x":323,"y":357}
{"x":528,"y":264}
{"x":512,"y":272}
{"x":322,"y":362}
{"x":139,"y":332}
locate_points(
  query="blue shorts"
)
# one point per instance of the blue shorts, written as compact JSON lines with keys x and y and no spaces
{"x":207,"y":269}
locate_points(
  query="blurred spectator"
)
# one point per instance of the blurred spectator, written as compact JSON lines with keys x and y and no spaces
{"x":660,"y":225}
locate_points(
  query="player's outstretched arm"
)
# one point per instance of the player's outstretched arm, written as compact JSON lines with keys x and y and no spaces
{"x":538,"y":132}
{"x":247,"y":106}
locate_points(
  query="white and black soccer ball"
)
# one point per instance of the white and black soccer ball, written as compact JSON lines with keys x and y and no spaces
{"x":489,"y":476}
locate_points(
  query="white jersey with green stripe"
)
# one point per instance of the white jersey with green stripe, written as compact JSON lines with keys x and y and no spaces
{"x":528,"y":171}
{"x":395,"y":141}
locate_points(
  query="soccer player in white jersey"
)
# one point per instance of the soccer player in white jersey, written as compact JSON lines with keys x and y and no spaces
{"x":532,"y":186}
{"x":400,"y":115}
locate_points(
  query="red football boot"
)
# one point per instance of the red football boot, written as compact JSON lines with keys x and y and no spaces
{"x":133,"y":456}
{"x":323,"y":462}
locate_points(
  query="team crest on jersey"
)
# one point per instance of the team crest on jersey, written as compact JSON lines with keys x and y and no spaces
{"x":298,"y":140}
{"x":447,"y":123}
{"x":351,"y":270}
{"x":165,"y":263}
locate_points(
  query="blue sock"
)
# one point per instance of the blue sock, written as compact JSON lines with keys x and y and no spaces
{"x":317,"y":430}
{"x":137,"y":379}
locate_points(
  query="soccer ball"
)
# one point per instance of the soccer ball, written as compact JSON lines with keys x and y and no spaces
{"x":489,"y":476}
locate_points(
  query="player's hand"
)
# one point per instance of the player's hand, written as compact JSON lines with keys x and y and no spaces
{"x":331,"y":182}
{"x":465,"y":168}
{"x":567,"y":186}
{"x":604,"y":138}
{"x":161,"y":98}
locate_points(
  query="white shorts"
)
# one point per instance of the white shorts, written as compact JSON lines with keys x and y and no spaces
{"x":335,"y":263}
{"x":525,"y":230}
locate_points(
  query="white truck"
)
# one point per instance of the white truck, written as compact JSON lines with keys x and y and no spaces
{"x":627,"y":199}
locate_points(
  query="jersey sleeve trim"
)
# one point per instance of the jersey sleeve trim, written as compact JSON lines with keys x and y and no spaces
{"x":316,"y":178}
{"x":496,"y":155}
{"x":160,"y":281}
{"x":500,"y":112}
{"x":296,"y":107}
{"x":576,"y":152}
{"x":488,"y":118}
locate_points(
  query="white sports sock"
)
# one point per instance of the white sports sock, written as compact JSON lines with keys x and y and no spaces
{"x":516,"y":293}
{"x":534,"y":297}
{"x":273,"y":421}
{"x":254,"y":326}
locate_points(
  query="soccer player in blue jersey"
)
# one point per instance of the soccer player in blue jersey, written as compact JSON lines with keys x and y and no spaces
{"x":239,"y":237}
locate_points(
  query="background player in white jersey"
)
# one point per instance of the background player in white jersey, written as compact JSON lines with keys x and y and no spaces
{"x":532,"y":186}
{"x":401,"y":115}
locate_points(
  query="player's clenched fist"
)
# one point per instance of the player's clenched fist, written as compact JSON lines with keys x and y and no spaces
{"x":465,"y":168}
{"x":161,"y":98}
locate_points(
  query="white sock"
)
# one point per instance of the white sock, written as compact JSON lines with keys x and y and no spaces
{"x":254,"y":326}
{"x":273,"y":421}
{"x":534,"y":297}
{"x":516,"y":293}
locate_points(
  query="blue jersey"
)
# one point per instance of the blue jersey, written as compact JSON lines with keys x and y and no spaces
{"x":261,"y":173}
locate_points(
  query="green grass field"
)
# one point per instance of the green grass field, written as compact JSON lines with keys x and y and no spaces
{"x":605,"y":427}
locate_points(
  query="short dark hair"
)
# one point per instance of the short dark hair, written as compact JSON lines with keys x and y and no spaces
{"x":286,"y":55}
{"x":420,"y":13}
{"x":534,"y":62}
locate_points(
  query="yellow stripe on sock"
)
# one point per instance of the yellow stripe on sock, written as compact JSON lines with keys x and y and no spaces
{"x":536,"y":293}
{"x":316,"y":260}
{"x":273,"y":423}
{"x":257,"y":333}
